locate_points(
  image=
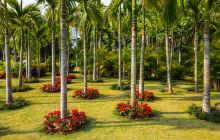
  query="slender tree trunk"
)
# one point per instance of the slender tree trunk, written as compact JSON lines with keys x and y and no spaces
{"x":39,"y":61}
{"x":26,"y":44}
{"x":196,"y":43}
{"x":94,"y":76}
{"x":133,"y":54}
{"x":63,"y":61}
{"x":141,"y":81}
{"x":9,"y":99}
{"x":180,"y":52}
{"x":21,"y":60}
{"x":68,"y":49}
{"x":85,"y":60}
{"x":206,"y":93}
{"x":76,"y":47}
{"x":15,"y":52}
{"x":53,"y":80}
{"x":29,"y":57}
{"x":119,"y":52}
{"x":169,"y":84}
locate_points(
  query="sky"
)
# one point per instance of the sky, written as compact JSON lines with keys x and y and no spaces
{"x":25,"y":2}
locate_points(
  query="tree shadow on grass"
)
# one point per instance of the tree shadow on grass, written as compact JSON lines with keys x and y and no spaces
{"x":4,"y":131}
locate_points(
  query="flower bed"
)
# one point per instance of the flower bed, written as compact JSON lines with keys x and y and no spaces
{"x":2,"y":75}
{"x":196,"y":111}
{"x":90,"y":94}
{"x":50,"y":89}
{"x":71,"y":76}
{"x":146,"y":96}
{"x":74,"y":121}
{"x":22,"y":89}
{"x":17,"y":103}
{"x":139,"y":111}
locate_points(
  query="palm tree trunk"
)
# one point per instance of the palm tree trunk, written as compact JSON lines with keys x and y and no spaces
{"x":119,"y":52}
{"x":29,"y":57}
{"x":63,"y":61}
{"x":68,"y":49}
{"x":26,"y":44}
{"x":180,"y":52}
{"x":170,"y":90}
{"x":206,"y":93}
{"x":39,"y":61}
{"x":9,"y":99}
{"x":94,"y":57}
{"x":76,"y":47}
{"x":196,"y":43}
{"x":21,"y":60}
{"x":133,"y":54}
{"x":15,"y":52}
{"x":141,"y":81}
{"x":85,"y":60}
{"x":53,"y":80}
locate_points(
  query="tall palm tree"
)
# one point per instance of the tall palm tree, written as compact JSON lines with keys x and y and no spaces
{"x":5,"y":22}
{"x":52,"y":5}
{"x":63,"y":61}
{"x":169,"y":15}
{"x":18,"y":14}
{"x":133,"y":53}
{"x":206,"y":107}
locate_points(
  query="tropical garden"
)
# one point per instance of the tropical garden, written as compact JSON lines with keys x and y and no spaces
{"x":130,"y":69}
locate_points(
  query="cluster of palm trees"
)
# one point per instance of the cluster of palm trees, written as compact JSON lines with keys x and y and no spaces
{"x":30,"y":28}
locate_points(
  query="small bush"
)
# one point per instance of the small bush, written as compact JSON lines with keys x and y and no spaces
{"x":54,"y":124}
{"x":22,"y":89}
{"x":139,"y":111}
{"x":43,"y":70}
{"x":97,"y":81}
{"x":33,"y":80}
{"x":125,"y":86}
{"x":146,"y":96}
{"x":196,"y":111}
{"x":2,"y":75}
{"x":17,"y":103}
{"x":48,"y":88}
{"x":90,"y":94}
{"x":57,"y":72}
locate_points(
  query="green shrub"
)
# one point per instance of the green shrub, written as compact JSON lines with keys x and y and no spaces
{"x":33,"y":80}
{"x":125,"y":86}
{"x":22,"y":89}
{"x":17,"y":103}
{"x":97,"y":81}
{"x":213,"y":116}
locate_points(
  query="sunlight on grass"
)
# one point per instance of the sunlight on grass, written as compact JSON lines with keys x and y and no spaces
{"x":173,"y":122}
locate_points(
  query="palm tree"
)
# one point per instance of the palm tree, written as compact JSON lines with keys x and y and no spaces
{"x":63,"y":61}
{"x":116,"y":9}
{"x":206,"y":107}
{"x":169,"y":15}
{"x":133,"y":53}
{"x":5,"y":22}
{"x":18,"y":14}
{"x":52,"y":5}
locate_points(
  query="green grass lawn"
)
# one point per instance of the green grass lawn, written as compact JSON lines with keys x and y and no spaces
{"x":173,"y":122}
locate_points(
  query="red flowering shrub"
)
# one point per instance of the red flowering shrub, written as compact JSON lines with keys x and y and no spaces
{"x":71,"y":76}
{"x":91,"y":93}
{"x":57,"y":72}
{"x":74,"y":121}
{"x":49,"y":88}
{"x":139,"y":111}
{"x":2,"y":75}
{"x":68,"y":79}
{"x":146,"y":96}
